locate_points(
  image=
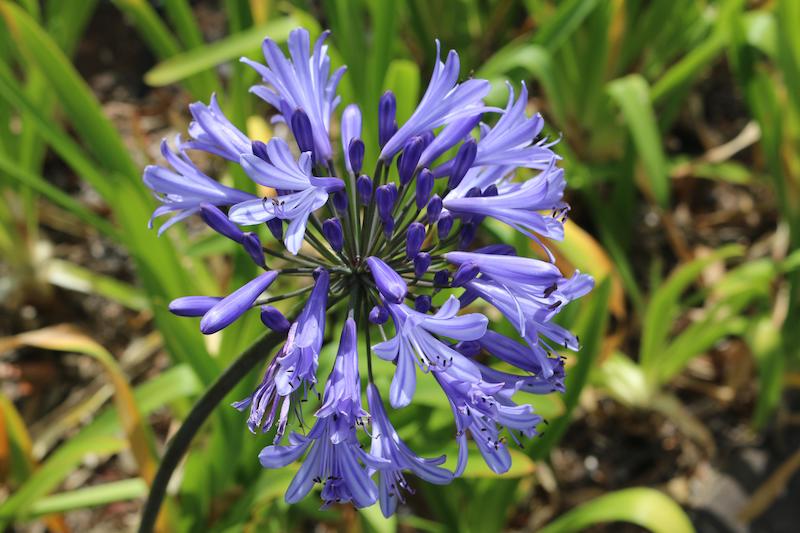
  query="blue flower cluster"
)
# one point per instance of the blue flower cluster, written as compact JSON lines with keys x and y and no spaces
{"x":394,"y":244}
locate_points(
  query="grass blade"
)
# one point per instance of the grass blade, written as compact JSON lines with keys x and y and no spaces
{"x":127,"y":489}
{"x":664,"y":305}
{"x":57,"y":196}
{"x":66,"y":339}
{"x":647,"y":508}
{"x":185,"y":64}
{"x":97,"y":438}
{"x":632,"y":95}
{"x":77,"y":278}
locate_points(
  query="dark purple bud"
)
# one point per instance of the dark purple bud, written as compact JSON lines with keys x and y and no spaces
{"x":422,"y":303}
{"x":422,"y":261}
{"x":385,"y":200}
{"x":364,"y":188}
{"x":301,"y":128}
{"x":252,"y":245}
{"x":491,"y":190}
{"x":378,"y":315}
{"x":388,"y":227}
{"x":427,"y":138}
{"x":260,"y":150}
{"x":193,"y":305}
{"x":389,"y":283}
{"x":444,"y":225}
{"x":441,"y":278}
{"x":462,"y":162}
{"x":408,"y":163}
{"x":235,"y":304}
{"x":468,"y":348}
{"x":340,"y":200}
{"x":474,"y":192}
{"x":424,"y":187}
{"x":274,"y":319}
{"x":355,"y":154}
{"x":220,"y":223}
{"x":387,"y":122}
{"x":467,"y":298}
{"x":466,"y":272}
{"x":497,"y":249}
{"x":332,"y":229}
{"x":392,"y":191}
{"x":275,"y":226}
{"x":434,"y":209}
{"x":468,"y":232}
{"x":414,"y":239}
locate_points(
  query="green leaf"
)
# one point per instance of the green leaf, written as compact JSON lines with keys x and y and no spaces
{"x":77,"y":278}
{"x":664,"y":305}
{"x":681,"y":74}
{"x":764,"y":340}
{"x":98,"y":438}
{"x":16,"y":457}
{"x":788,"y":13}
{"x":103,"y":494}
{"x":623,"y":380}
{"x":632,"y":95}
{"x":373,"y":520}
{"x":74,"y":95}
{"x":696,"y":339}
{"x":162,"y":273}
{"x":559,"y":28}
{"x":182,"y":65}
{"x":57,"y":196}
{"x":163,"y":44}
{"x":645,"y":507}
{"x":52,"y":473}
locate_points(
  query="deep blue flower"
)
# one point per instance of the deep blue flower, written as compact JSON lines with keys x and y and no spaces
{"x":531,"y":313}
{"x":193,"y":305}
{"x":384,"y":250}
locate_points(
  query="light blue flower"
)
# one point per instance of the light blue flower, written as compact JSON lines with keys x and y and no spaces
{"x":415,"y":345}
{"x":304,"y":82}
{"x":184,"y":189}
{"x":445,"y":100}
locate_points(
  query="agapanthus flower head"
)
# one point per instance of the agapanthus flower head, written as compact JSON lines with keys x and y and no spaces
{"x":396,"y":259}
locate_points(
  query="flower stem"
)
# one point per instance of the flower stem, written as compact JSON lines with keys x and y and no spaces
{"x":194,"y":420}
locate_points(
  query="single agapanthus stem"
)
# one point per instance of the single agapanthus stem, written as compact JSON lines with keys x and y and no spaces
{"x":401,"y":252}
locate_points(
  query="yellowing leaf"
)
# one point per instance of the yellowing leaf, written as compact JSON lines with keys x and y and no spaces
{"x":65,"y":338}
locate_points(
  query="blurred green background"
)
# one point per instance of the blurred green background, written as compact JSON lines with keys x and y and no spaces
{"x":680,"y":131}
